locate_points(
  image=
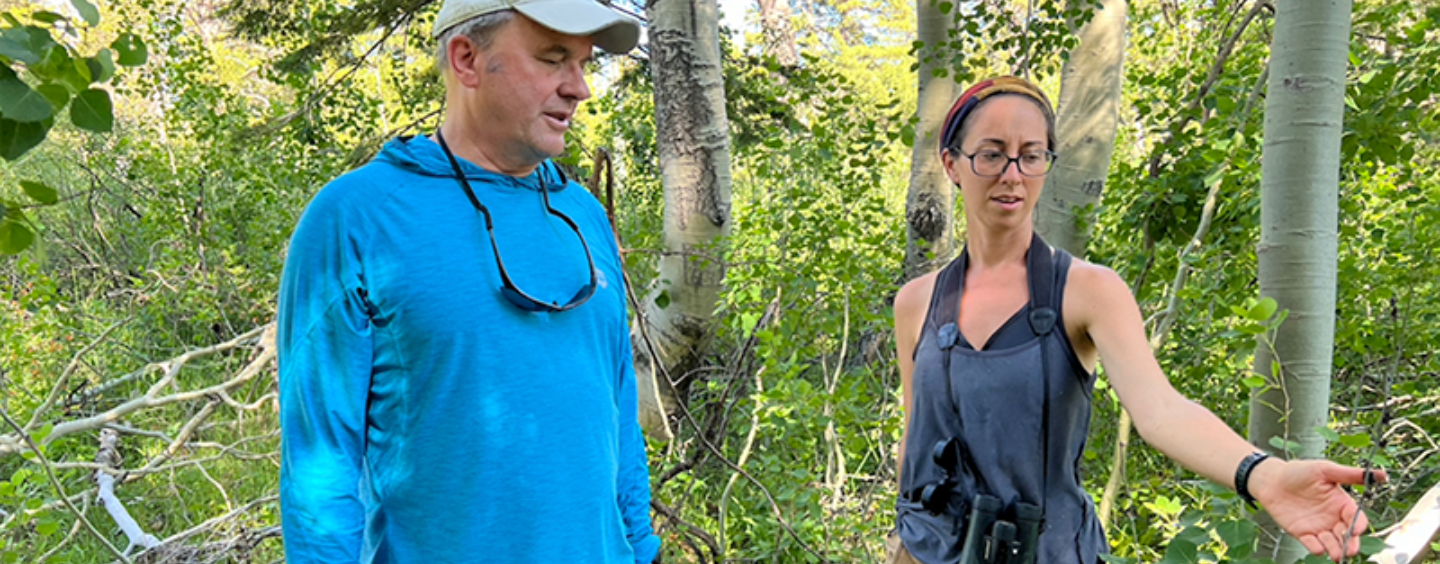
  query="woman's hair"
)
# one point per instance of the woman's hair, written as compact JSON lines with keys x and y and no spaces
{"x":957,"y":121}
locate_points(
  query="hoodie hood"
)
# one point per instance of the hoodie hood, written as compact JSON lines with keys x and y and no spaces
{"x":421,"y":155}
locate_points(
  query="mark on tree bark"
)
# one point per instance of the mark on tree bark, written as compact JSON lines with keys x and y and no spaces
{"x":926,"y":218}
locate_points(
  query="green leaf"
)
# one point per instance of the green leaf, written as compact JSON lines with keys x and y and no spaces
{"x":1195,"y":535}
{"x":92,"y":111}
{"x":1254,"y":382}
{"x":87,"y":11}
{"x":44,"y":431}
{"x":1357,"y":440}
{"x":47,"y":528}
{"x":21,"y":103}
{"x":40,"y":192}
{"x":131,"y":50}
{"x":1181,"y":552}
{"x":663,"y":299}
{"x":17,"y":52}
{"x":1237,"y":532}
{"x":16,"y":138}
{"x":1328,"y":434}
{"x":1263,"y":309}
{"x":46,"y":16}
{"x":1371,"y":545}
{"x":106,"y":59}
{"x":14,"y":237}
{"x":57,"y":95}
{"x":81,"y":71}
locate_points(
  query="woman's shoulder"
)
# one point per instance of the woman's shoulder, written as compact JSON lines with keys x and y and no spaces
{"x":1097,"y":286}
{"x":914,"y":297}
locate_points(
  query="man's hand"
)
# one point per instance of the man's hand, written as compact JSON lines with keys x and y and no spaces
{"x":1306,"y":499}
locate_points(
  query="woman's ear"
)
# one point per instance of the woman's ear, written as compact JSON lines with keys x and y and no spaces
{"x":950,"y":158}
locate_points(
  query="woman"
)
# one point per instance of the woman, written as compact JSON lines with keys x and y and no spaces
{"x":975,"y":339}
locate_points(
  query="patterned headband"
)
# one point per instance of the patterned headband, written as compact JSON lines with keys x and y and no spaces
{"x":985,"y":89}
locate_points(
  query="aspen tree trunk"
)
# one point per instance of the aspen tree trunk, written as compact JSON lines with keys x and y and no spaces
{"x":930,"y":205}
{"x":1299,"y":211}
{"x":694,"y":148}
{"x":1088,"y":111}
{"x":779,"y":34}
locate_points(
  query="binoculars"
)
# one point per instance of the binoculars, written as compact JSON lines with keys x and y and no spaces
{"x":996,"y":536}
{"x":994,"y":533}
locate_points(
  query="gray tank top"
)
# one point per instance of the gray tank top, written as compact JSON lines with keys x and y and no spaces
{"x":993,"y":399}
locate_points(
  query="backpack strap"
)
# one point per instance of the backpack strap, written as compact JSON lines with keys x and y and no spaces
{"x":945,"y":302}
{"x":1040,"y":269}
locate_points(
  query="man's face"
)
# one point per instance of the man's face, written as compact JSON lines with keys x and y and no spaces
{"x":530,"y":81}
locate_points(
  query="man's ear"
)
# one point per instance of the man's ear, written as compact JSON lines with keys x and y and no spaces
{"x":462,"y":57}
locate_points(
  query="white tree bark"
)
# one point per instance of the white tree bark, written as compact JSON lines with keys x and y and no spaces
{"x":930,"y":204}
{"x":693,"y":140}
{"x":1299,"y":213}
{"x":779,"y":34}
{"x":1088,"y":116}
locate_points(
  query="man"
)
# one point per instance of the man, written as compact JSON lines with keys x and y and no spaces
{"x":455,"y":369}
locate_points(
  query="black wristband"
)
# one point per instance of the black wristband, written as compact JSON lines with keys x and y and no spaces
{"x":1242,"y":476}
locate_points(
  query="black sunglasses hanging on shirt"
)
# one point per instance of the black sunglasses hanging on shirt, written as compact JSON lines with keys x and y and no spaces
{"x":513,"y":293}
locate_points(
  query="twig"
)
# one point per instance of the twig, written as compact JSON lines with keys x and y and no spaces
{"x":672,"y":515}
{"x":65,"y":375}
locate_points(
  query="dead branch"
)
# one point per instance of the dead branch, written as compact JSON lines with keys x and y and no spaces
{"x":12,"y":443}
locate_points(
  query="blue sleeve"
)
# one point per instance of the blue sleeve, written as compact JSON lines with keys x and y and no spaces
{"x":634,"y":472}
{"x":325,"y":354}
{"x":634,"y":475}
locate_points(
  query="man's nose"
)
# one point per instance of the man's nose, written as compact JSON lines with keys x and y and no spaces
{"x":574,"y":85}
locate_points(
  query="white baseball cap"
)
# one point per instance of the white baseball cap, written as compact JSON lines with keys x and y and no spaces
{"x":611,"y":30}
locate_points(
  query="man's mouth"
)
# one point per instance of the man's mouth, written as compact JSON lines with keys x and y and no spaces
{"x":560,"y":119}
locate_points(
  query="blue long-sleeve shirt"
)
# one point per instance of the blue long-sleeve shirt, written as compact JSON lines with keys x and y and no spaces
{"x":424,"y":419}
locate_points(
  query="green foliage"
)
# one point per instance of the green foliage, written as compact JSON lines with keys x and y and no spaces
{"x":61,"y":74}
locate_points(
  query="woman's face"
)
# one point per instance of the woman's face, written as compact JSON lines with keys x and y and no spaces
{"x":1015,"y":127}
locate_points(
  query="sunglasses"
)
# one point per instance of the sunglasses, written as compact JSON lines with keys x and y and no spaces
{"x":513,"y":293}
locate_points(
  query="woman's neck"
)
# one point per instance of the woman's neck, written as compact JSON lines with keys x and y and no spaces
{"x":995,"y":248}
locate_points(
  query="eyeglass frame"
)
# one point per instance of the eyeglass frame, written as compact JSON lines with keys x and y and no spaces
{"x":508,"y":289}
{"x":1049,"y":163}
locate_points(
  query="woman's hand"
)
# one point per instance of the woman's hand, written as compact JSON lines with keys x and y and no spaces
{"x":1305,"y":498}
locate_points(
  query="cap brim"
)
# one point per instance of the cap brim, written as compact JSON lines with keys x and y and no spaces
{"x":612,"y":31}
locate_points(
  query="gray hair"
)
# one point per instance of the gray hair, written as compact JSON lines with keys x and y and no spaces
{"x":481,"y":31}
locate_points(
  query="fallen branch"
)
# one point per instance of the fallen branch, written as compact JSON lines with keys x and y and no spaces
{"x":108,"y":455}
{"x":13,"y":443}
